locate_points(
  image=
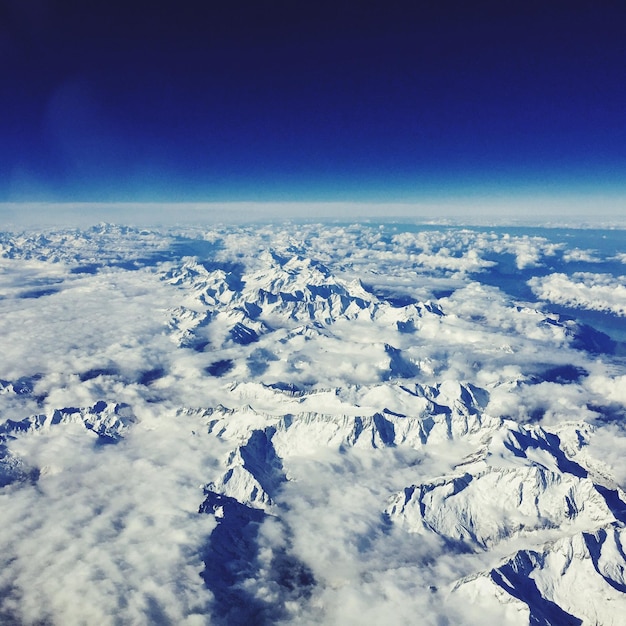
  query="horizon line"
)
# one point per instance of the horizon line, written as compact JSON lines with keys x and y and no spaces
{"x":582,"y":210}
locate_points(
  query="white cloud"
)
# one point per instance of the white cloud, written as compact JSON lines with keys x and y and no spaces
{"x":599,"y":292}
{"x":361,"y":339}
{"x":577,"y":255}
{"x":621,"y":257}
{"x":97,"y":539}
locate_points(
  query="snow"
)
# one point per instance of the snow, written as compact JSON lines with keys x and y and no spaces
{"x":306,"y":423}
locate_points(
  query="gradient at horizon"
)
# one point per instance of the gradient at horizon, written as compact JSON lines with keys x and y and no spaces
{"x":202,"y":102}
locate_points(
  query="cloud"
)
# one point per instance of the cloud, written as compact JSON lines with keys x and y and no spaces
{"x":99,"y":535}
{"x":598,"y":292}
{"x":289,"y":381}
{"x":577,"y":255}
{"x":364,"y":569}
{"x":607,"y":445}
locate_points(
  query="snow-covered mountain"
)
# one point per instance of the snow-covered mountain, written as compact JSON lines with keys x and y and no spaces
{"x":308,"y":424}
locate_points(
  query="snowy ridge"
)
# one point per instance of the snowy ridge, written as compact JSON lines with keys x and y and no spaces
{"x":541,"y":492}
{"x":441,"y":412}
{"x":325,"y":422}
{"x":253,"y":472}
{"x":461,"y":508}
{"x":289,"y":289}
{"x":578,"y":579}
{"x":13,"y":469}
{"x":108,"y":420}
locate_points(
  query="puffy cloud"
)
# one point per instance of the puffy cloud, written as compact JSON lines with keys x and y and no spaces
{"x":576,"y":255}
{"x":621,"y":257}
{"x":304,"y":375}
{"x":599,"y":292}
{"x":98,"y":538}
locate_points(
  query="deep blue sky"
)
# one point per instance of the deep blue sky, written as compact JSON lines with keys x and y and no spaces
{"x":300,"y":100}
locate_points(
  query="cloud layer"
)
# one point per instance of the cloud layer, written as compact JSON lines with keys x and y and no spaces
{"x":599,"y":292}
{"x":306,"y":423}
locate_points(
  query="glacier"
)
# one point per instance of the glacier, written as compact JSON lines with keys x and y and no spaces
{"x":301,"y":423}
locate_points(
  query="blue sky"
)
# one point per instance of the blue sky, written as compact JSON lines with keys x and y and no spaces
{"x":297,"y":101}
